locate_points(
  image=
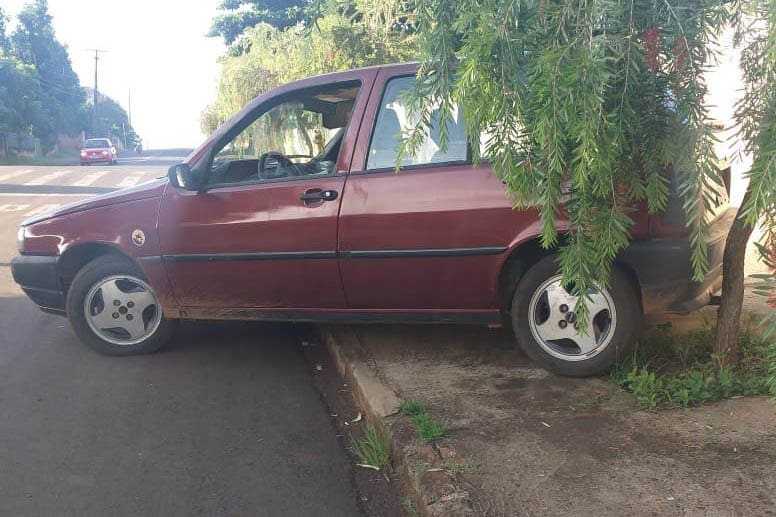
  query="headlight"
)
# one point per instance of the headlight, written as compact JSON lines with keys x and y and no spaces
{"x":20,"y":239}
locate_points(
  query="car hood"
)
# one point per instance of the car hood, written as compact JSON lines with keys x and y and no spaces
{"x":149,"y":189}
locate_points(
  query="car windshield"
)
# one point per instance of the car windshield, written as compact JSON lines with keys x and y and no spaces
{"x":99,"y":143}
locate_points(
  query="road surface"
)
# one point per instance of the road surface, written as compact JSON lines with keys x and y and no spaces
{"x":226,"y":421}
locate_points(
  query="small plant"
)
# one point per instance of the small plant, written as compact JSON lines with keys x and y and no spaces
{"x":427,"y":429}
{"x":411,"y":407}
{"x":680,"y":371}
{"x":409,"y":507}
{"x":373,"y":450}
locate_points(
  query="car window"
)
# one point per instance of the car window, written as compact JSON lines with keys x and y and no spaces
{"x":395,"y":119}
{"x":297,"y":138}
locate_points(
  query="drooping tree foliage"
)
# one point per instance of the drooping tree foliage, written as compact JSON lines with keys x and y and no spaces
{"x":589,"y":106}
{"x":361,"y":33}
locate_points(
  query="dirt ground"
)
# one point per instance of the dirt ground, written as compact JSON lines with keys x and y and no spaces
{"x":557,"y":446}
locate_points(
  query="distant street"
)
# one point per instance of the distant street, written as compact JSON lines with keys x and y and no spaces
{"x":226,"y":421}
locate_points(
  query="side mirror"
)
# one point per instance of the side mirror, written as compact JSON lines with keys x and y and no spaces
{"x":180,"y":176}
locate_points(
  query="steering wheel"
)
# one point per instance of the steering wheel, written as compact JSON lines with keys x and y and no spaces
{"x":282,"y":160}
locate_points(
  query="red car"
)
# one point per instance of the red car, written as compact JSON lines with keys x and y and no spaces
{"x":292,"y":211}
{"x":98,"y":150}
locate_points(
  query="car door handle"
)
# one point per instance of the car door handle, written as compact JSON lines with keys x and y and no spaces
{"x":315,"y":194}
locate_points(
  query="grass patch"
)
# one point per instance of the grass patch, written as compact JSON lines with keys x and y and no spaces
{"x":427,"y":429}
{"x":69,"y":157}
{"x":411,"y":407}
{"x":409,"y":507}
{"x":373,"y":449}
{"x":462,"y":467}
{"x":680,"y":371}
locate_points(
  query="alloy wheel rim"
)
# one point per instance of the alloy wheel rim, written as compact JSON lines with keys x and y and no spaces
{"x":122,"y":310}
{"x":554,"y":325}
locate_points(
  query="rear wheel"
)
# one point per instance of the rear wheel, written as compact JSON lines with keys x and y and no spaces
{"x":113,"y":309}
{"x":546,"y":326}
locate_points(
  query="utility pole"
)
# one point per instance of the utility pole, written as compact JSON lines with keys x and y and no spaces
{"x":129,"y":106}
{"x":94,"y":92}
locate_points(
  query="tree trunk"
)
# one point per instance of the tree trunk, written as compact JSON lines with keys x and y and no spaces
{"x":727,"y":340}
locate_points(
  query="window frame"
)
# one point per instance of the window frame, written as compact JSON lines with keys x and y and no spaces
{"x":367,"y":170}
{"x":260,"y":110}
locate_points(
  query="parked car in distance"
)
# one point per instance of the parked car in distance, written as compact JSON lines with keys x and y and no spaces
{"x":293,"y":211}
{"x":99,"y":150}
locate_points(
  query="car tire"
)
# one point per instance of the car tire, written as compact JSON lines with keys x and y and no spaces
{"x":113,"y":309}
{"x":543,"y":321}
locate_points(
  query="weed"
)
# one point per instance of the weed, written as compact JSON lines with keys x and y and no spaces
{"x":680,"y":371}
{"x":411,"y":407}
{"x":587,"y":403}
{"x":373,"y":449}
{"x":426,"y":428}
{"x":409,"y":507}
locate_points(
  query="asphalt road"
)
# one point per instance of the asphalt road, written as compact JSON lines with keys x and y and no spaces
{"x":226,"y":421}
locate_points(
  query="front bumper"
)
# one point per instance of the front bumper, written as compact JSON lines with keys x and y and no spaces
{"x":664,"y":271}
{"x":97,"y":158}
{"x":39,"y":279}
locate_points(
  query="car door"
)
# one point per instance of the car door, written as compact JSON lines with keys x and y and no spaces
{"x":263,"y":232}
{"x":430,"y":237}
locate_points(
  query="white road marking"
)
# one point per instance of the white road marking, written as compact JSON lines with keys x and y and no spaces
{"x":47,"y":178}
{"x":43,"y":194}
{"x":88,"y":180}
{"x":14,"y":174}
{"x":130,"y":181}
{"x":13,"y":208}
{"x":39,"y":210}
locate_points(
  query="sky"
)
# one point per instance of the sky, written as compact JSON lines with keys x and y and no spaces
{"x":157,"y":49}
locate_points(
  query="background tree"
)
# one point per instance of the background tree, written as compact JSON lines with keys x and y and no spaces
{"x":112,"y":120}
{"x":4,"y":43}
{"x":603,"y":101}
{"x":20,"y":107}
{"x":241,"y":15}
{"x":60,"y":93}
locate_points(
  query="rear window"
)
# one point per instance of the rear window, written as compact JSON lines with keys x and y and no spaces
{"x":97,"y":142}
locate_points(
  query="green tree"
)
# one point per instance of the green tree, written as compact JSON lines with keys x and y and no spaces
{"x":5,"y":45}
{"x":589,"y":105}
{"x":35,"y":43}
{"x":112,"y":121}
{"x":21,"y":110}
{"x":241,"y":15}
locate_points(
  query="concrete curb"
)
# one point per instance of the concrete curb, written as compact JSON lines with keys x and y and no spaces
{"x":434,"y":491}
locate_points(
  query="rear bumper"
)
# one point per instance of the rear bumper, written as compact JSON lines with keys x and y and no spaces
{"x":39,"y":279}
{"x":664,"y":272}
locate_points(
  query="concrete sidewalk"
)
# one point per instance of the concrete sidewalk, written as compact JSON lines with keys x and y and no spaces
{"x":525,"y":442}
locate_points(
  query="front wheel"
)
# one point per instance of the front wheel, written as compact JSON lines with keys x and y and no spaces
{"x":545,"y":322}
{"x":114,"y":310}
